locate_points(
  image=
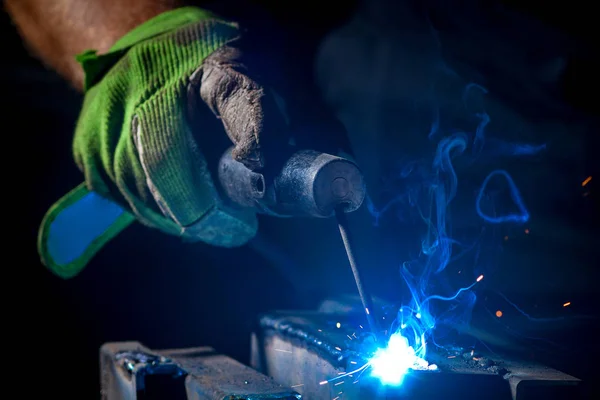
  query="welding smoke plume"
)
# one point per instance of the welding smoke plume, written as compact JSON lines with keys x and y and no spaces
{"x":429,"y":190}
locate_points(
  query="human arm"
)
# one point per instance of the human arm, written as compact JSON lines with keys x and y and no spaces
{"x":57,"y":30}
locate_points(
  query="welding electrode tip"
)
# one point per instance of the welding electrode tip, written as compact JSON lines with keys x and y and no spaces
{"x":365,"y":296}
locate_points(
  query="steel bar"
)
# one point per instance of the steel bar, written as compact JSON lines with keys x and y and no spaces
{"x":312,"y":352}
{"x":130,"y":371}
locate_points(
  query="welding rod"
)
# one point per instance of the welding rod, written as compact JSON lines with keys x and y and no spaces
{"x":365,"y":296}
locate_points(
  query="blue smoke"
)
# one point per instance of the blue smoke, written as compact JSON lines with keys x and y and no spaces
{"x":521,"y":216}
{"x":500,"y":148}
{"x":416,"y":320}
{"x":428,"y":189}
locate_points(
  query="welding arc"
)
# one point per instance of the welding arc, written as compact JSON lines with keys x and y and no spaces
{"x":365,"y":296}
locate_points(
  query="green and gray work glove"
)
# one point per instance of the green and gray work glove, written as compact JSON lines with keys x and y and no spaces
{"x":144,"y":157}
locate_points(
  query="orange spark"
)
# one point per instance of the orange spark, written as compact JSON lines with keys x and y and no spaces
{"x":479,"y":278}
{"x":586,"y":181}
{"x":568,"y":303}
{"x":498,"y":313}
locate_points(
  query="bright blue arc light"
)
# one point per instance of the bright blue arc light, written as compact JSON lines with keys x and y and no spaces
{"x":392,"y":363}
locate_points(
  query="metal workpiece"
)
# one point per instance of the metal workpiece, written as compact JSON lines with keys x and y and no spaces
{"x":320,"y":355}
{"x":127,"y":369}
{"x":310,"y":184}
{"x":307,"y":349}
{"x":130,"y":371}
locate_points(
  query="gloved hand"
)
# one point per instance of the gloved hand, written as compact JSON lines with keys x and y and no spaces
{"x":146,"y":139}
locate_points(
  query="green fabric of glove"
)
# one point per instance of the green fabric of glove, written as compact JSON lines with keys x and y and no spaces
{"x":135,"y":147}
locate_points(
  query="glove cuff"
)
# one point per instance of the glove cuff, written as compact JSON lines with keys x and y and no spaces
{"x":96,"y":65}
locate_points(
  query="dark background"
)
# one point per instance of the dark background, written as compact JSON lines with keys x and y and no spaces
{"x":59,"y":325}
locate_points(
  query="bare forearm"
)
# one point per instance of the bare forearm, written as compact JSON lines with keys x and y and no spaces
{"x":57,"y":30}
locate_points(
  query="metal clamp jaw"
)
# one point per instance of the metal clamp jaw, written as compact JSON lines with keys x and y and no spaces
{"x":310,"y":184}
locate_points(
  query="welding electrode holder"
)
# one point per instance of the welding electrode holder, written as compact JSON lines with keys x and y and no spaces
{"x":309,"y":184}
